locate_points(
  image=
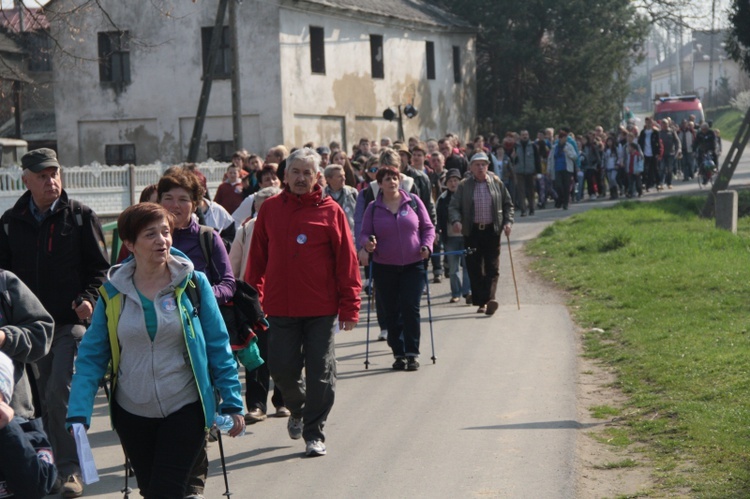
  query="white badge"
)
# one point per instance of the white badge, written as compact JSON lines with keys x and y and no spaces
{"x":168,"y":304}
{"x":301,"y":239}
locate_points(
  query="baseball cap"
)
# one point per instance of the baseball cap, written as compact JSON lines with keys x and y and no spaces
{"x":39,"y":159}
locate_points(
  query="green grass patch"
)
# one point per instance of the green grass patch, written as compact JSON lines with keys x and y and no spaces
{"x":603,"y":411}
{"x":728,"y":122}
{"x":625,"y":463}
{"x":671,"y":296}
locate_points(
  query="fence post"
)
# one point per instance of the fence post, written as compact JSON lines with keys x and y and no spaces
{"x":131,"y":181}
{"x":726,"y":211}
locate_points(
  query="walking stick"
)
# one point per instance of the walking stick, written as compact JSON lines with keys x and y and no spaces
{"x":513,"y":270}
{"x":369,"y":307}
{"x":429,"y":312}
{"x":223,"y":463}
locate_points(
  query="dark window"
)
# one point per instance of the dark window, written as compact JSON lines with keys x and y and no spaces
{"x":456,"y":64}
{"x":119,"y":154}
{"x":114,"y":56}
{"x":317,"y":50}
{"x":221,"y":150}
{"x":430,"y":51}
{"x":376,"y":55}
{"x":39,"y":49}
{"x":223,"y":61}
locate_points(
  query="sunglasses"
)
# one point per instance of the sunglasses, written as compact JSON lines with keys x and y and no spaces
{"x":373,"y":169}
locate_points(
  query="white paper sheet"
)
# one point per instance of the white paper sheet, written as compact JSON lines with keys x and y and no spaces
{"x":85,"y":456}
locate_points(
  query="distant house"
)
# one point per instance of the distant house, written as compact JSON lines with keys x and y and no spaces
{"x":696,"y":59}
{"x":310,"y":70}
{"x":28,"y":31}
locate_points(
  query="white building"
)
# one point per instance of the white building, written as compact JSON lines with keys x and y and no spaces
{"x":311,"y":70}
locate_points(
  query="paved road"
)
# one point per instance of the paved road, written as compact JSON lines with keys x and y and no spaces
{"x":495,"y":416}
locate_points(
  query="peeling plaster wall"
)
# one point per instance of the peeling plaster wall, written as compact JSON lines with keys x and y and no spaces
{"x":347,"y":103}
{"x":156,"y":111}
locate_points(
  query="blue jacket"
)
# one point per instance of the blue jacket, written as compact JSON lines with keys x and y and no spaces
{"x":206,"y":339}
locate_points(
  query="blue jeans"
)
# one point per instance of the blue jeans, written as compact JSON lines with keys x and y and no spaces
{"x":399,"y":291}
{"x":460,"y":285}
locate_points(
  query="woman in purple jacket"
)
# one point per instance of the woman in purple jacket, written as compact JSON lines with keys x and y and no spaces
{"x":398,"y":234}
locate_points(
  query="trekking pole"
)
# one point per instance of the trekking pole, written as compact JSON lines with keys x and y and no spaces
{"x":463,"y":252}
{"x":126,"y":490}
{"x":369,"y":307}
{"x":429,"y":313}
{"x":223,"y":463}
{"x":513,"y":270}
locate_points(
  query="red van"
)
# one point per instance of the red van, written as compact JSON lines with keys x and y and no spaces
{"x":678,"y":108}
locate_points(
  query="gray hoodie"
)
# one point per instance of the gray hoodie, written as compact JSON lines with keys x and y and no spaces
{"x":28,"y":329}
{"x":155,"y":378}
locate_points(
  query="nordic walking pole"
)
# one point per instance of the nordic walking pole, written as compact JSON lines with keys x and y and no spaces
{"x":369,"y":307}
{"x":513,"y":270}
{"x":429,"y":312}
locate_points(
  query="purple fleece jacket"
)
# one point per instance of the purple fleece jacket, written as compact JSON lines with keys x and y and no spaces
{"x":400,"y":237}
{"x":220,"y":273}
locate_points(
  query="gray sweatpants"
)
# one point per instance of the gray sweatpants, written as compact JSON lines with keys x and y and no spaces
{"x":55,"y":375}
{"x":297,"y":342}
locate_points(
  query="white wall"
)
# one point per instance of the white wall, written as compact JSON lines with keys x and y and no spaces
{"x":346,"y":103}
{"x":156,"y":110}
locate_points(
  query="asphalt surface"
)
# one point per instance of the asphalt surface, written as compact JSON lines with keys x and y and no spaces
{"x":494,"y":416}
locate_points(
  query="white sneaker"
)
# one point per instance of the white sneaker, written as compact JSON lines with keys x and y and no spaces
{"x":294,"y":427}
{"x":315,"y":448}
{"x":383,"y":335}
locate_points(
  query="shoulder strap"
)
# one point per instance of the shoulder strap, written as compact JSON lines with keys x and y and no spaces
{"x":206,"y":239}
{"x":77,"y":208}
{"x":112,"y":309}
{"x":5,"y":301}
{"x":194,"y":294}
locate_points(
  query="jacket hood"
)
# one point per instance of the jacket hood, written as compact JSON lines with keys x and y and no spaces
{"x":406,"y":184}
{"x":180,"y":268}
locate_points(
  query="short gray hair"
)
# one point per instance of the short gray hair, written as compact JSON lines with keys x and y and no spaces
{"x":264,"y":194}
{"x":331,"y":169}
{"x":306,"y":155}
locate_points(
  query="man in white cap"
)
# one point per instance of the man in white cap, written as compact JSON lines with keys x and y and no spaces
{"x":482,"y":209}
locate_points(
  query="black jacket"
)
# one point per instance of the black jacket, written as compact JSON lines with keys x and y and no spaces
{"x":27,"y":467}
{"x":424,"y":190}
{"x":655,"y":142}
{"x":59,"y":259}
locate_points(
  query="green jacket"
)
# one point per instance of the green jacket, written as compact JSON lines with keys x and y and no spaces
{"x":461,"y":208}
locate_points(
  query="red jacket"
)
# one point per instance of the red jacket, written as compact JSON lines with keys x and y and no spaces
{"x":302,"y":260}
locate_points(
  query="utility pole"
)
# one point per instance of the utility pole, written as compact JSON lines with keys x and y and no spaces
{"x":711,"y":56}
{"x":17,"y":84}
{"x":236,"y":94}
{"x":208,"y":78}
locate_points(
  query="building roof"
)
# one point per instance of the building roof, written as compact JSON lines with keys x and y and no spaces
{"x":33,"y":19}
{"x":36,"y":126}
{"x":413,"y":11}
{"x":698,"y":48}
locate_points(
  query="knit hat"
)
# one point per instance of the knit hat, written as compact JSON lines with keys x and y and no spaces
{"x":453,"y":172}
{"x":6,"y":377}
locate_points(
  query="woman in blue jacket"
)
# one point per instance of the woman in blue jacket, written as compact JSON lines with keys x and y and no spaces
{"x":167,"y":356}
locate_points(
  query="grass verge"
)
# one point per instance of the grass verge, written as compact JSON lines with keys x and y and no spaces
{"x":670,"y":293}
{"x":728,"y":121}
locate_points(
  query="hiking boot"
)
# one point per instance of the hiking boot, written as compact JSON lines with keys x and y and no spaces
{"x":255,"y":416}
{"x":72,"y":486}
{"x":315,"y":448}
{"x":294,"y":427}
{"x":437,"y":279}
{"x":412,"y":364}
{"x":482,"y":309}
{"x":400,"y":364}
{"x":468,"y":299}
{"x":492,"y":307}
{"x":282,"y":412}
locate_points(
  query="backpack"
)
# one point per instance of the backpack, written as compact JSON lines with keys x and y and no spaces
{"x":243,"y":315}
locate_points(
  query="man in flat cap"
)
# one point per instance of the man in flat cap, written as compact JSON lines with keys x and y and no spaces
{"x":55,"y":245}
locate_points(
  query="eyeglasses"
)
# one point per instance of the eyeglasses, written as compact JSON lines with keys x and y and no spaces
{"x":373,"y":169}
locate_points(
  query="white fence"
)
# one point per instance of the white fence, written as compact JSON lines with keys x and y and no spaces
{"x":105,"y":189}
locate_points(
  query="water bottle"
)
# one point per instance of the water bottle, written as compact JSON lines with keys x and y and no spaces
{"x":225,"y":423}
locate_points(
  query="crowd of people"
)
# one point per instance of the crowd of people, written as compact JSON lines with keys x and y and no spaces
{"x":299,"y":231}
